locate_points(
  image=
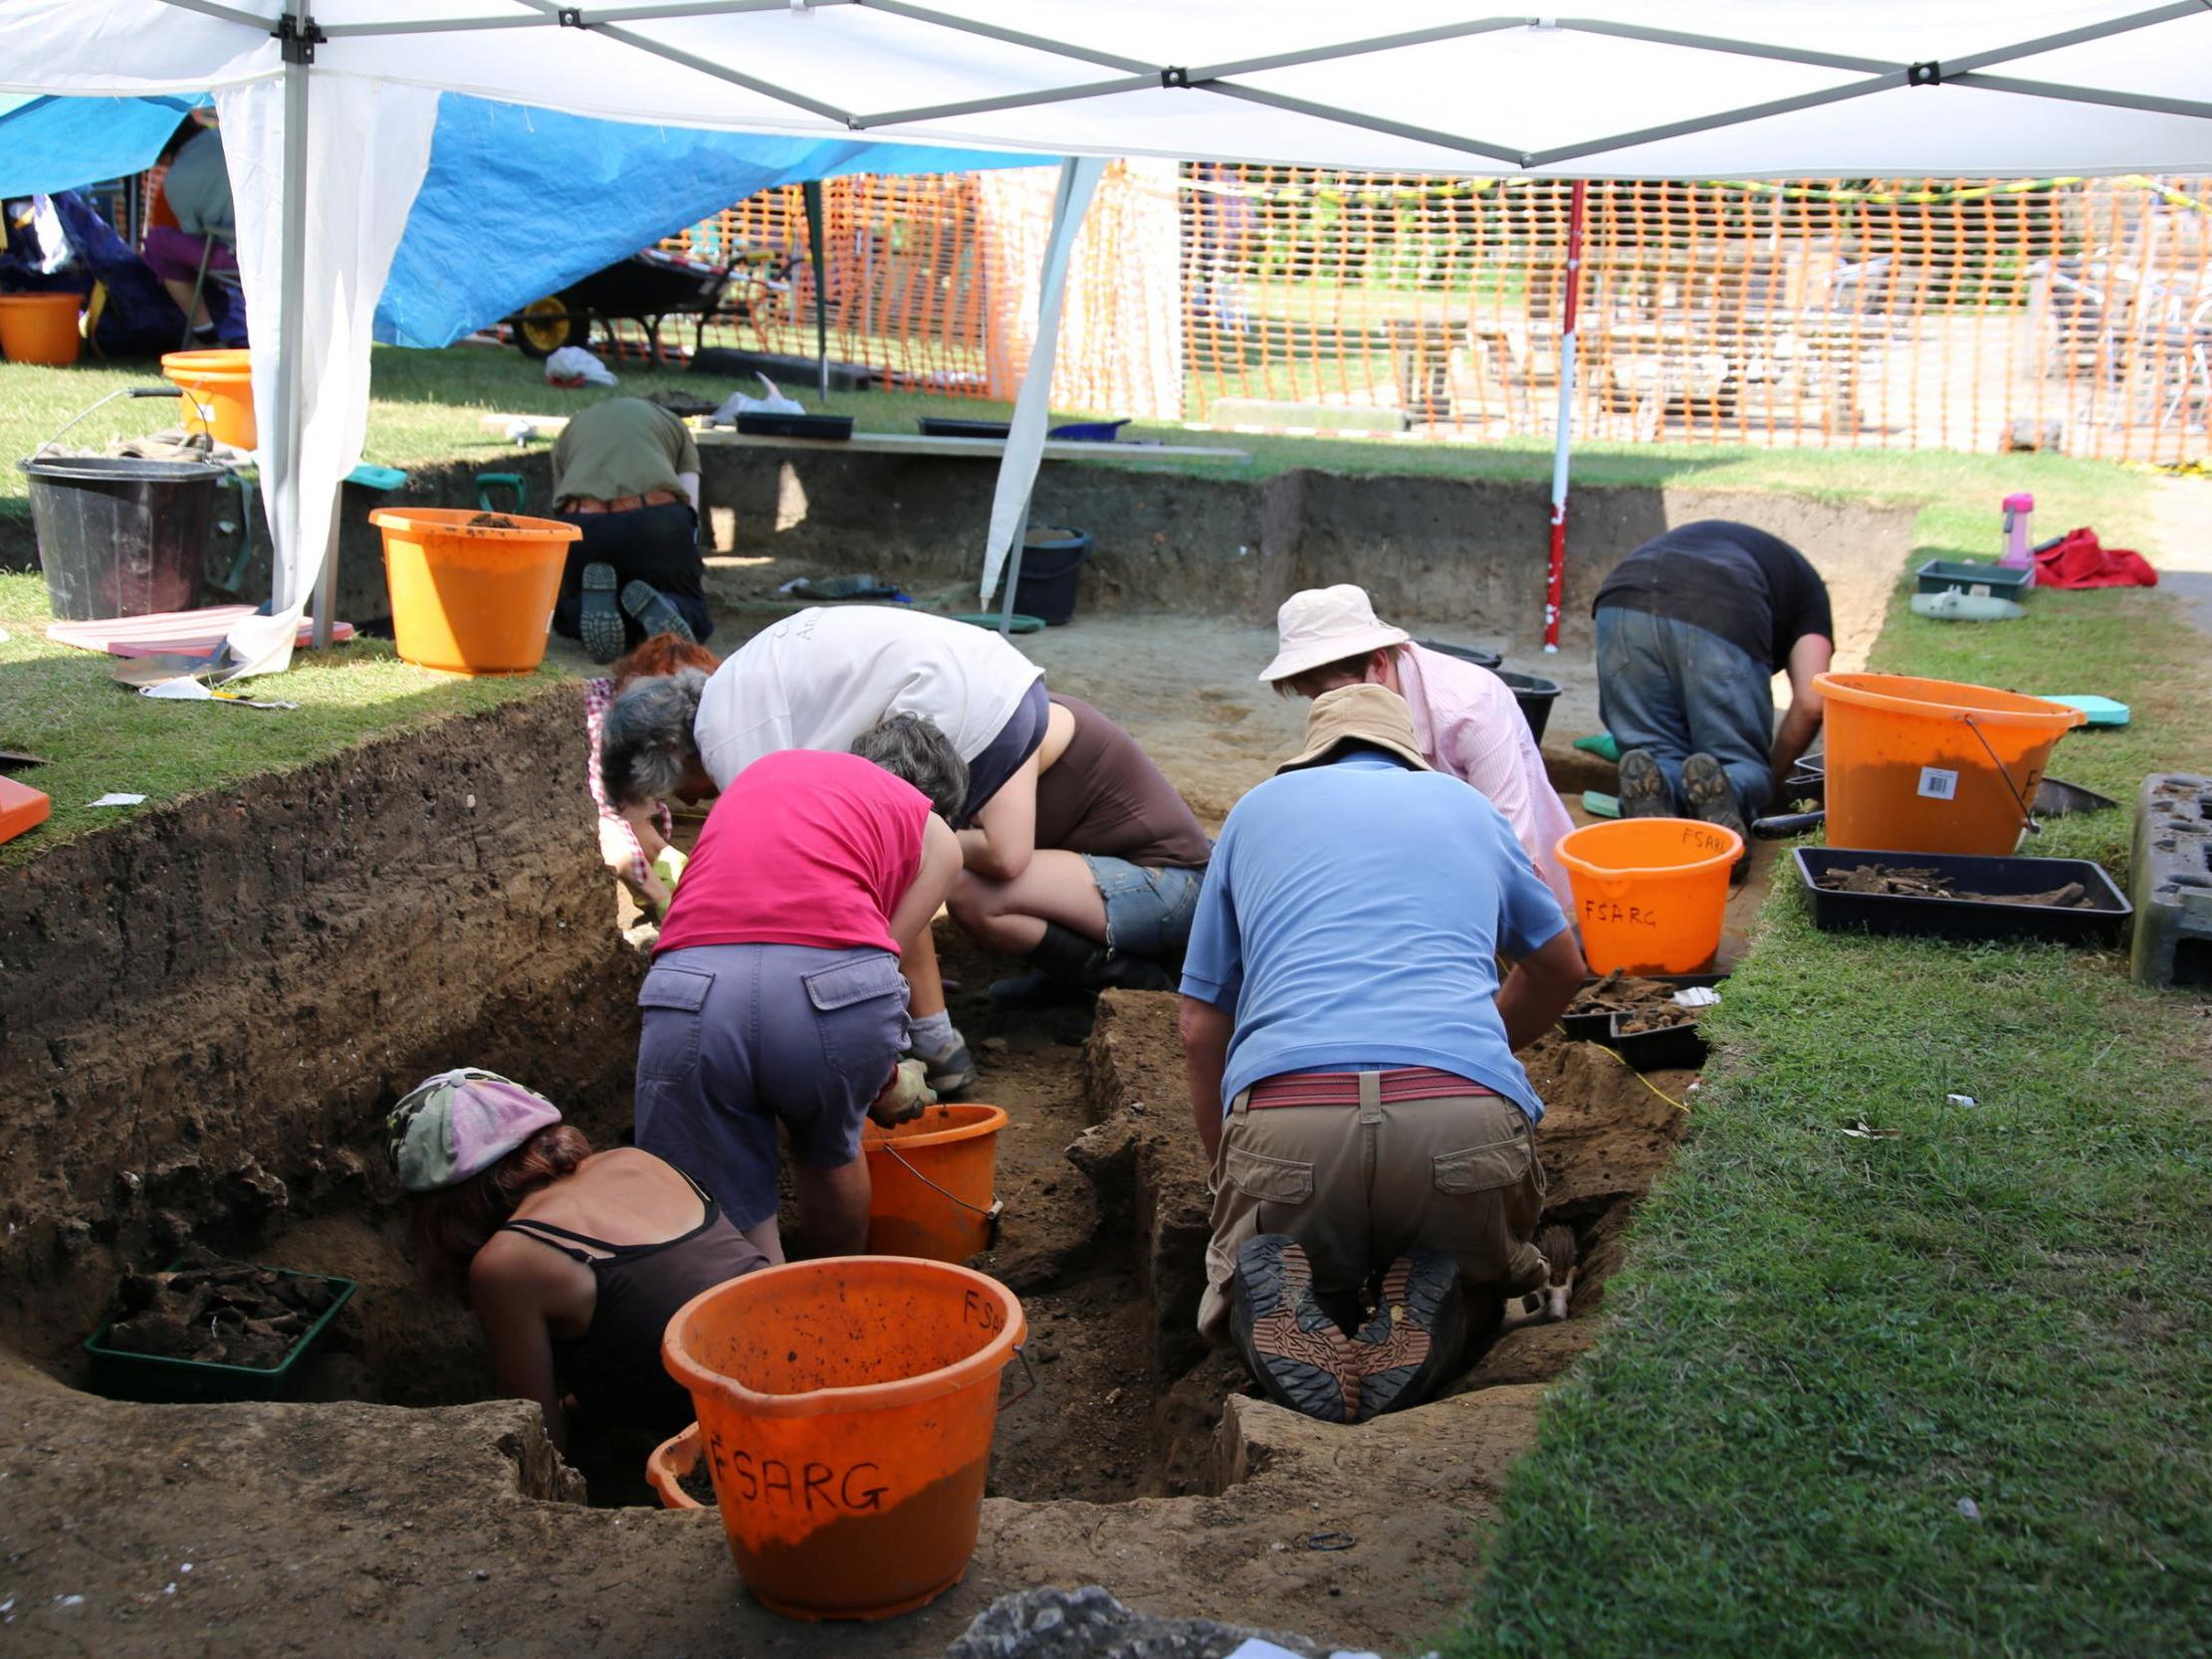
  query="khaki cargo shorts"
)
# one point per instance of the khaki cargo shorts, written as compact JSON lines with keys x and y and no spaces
{"x":1360,"y":1186}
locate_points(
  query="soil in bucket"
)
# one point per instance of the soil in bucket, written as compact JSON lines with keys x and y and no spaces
{"x":929,"y":1183}
{"x":470,"y":596}
{"x":847,"y":1407}
{"x":222,"y":381}
{"x":40,"y":328}
{"x":1933,"y":765}
{"x":1651,"y":893}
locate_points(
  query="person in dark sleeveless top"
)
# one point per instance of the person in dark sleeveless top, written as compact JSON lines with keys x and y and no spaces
{"x":573,"y":1261}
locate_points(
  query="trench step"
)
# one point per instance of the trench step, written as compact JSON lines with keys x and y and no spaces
{"x":2171,"y":881}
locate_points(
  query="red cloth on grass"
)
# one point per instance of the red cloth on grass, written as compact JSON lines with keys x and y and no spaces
{"x":2079,"y":559}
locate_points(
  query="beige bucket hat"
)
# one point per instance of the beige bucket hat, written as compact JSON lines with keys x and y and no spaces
{"x":1358,"y":714}
{"x":1326,"y":625}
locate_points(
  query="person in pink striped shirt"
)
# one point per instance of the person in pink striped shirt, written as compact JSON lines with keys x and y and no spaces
{"x":1464,"y":716}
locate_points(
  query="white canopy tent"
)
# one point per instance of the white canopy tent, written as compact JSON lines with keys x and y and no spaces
{"x":329,"y":108}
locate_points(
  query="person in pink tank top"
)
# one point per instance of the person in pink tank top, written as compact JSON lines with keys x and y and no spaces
{"x":775,"y":997}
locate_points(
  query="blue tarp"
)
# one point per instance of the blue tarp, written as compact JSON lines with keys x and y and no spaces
{"x":518,"y":202}
{"x":50,"y":145}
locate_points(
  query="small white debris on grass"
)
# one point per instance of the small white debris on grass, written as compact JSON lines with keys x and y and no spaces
{"x":115,"y":798}
{"x":1963,"y":1100}
{"x":1969,"y":1508}
{"x":1697,"y":996}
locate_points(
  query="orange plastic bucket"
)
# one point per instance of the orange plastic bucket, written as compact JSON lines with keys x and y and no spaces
{"x":40,"y":328}
{"x":222,"y":381}
{"x":1933,"y":765}
{"x":930,"y":1183}
{"x":1650,"y":892}
{"x":671,"y":1461}
{"x":471,"y":598}
{"x":847,"y":1406}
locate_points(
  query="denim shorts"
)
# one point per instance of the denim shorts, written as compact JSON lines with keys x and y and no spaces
{"x":739,"y":1038}
{"x":1148,"y":911}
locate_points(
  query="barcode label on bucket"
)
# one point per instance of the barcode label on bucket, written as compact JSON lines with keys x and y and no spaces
{"x":1937,"y":784}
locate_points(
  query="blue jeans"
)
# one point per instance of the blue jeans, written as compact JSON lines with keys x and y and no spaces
{"x":1148,"y":909}
{"x":1675,"y":689}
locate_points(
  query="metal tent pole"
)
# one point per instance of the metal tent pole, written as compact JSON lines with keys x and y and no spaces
{"x":811,"y":193}
{"x":1563,"y":439}
{"x":294,"y":34}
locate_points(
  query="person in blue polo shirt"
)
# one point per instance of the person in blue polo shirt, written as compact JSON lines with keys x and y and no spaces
{"x":1350,"y":1055}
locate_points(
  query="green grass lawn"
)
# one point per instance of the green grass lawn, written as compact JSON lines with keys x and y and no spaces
{"x":99,"y":737}
{"x":428,"y":405}
{"x":1945,"y":1392}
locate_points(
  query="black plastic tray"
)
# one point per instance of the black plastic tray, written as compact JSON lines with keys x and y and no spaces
{"x":1669,"y":1048}
{"x":941,"y":426}
{"x":761,"y":425}
{"x":1598,"y":1027}
{"x":1969,"y":919}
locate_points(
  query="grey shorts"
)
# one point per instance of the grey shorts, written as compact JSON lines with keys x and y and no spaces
{"x":1148,"y":911}
{"x":740,"y":1037}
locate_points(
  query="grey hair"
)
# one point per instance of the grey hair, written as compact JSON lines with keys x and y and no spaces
{"x":646,"y":748}
{"x":911,"y":747}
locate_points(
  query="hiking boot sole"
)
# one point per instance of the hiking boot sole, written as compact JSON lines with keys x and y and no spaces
{"x":1298,"y":1355}
{"x":654,"y":613}
{"x":1643,"y":787}
{"x":1410,"y":1344}
{"x":1712,"y":799}
{"x":599,"y":617}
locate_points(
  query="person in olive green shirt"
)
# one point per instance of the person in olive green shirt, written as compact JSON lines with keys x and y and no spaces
{"x":626,"y":472}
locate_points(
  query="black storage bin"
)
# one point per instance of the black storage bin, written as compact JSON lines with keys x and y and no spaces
{"x":118,"y":536}
{"x":1051,"y":562}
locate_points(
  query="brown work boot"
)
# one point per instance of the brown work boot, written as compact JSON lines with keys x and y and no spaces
{"x":1412,"y":1340}
{"x":1298,"y":1354}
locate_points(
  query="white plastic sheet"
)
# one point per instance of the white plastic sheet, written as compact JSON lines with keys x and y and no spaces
{"x":367,"y":148}
{"x":1017,"y":470}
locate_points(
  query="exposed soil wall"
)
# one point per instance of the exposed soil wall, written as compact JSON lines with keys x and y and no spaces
{"x":1462,"y":551}
{"x":205,"y":1012}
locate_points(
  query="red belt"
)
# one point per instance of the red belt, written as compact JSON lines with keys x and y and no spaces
{"x":1403,"y":1083}
{"x":621,"y":504}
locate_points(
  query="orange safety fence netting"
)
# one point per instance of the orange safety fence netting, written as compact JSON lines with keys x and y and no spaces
{"x":2061,"y":313}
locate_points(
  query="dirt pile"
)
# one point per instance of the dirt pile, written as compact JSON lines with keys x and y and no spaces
{"x":218,"y":1312}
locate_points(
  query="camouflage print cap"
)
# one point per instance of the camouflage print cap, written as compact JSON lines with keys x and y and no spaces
{"x":459,"y":1124}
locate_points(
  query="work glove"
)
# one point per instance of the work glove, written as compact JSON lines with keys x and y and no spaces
{"x":901,"y":1099}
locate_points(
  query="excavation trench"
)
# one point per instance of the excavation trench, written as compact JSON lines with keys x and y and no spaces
{"x":1103,"y":1239}
{"x":205,"y":1017}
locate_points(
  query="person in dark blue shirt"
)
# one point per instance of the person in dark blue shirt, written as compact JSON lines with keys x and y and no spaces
{"x":1692,"y":628}
{"x":1350,"y":1055}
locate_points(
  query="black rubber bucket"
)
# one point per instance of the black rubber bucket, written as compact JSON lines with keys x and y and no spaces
{"x":1535,"y":695}
{"x":1466,"y":653}
{"x":1051,"y":561}
{"x":121,"y":536}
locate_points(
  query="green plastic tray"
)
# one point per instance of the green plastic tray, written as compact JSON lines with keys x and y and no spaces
{"x":1997,"y":581}
{"x":160,"y":1380}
